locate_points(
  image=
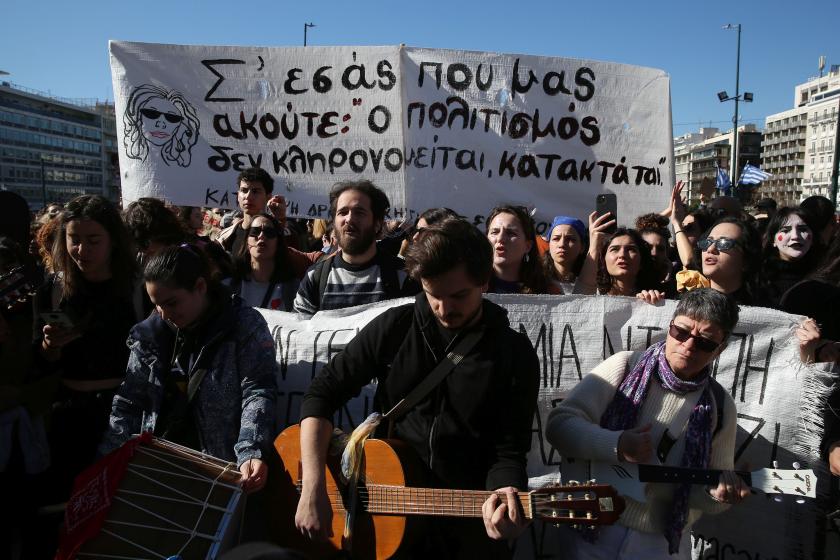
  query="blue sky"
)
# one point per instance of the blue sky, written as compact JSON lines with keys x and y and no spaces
{"x":61,"y":46}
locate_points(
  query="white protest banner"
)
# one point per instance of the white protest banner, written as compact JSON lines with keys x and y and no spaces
{"x":777,"y":399}
{"x":463,"y":129}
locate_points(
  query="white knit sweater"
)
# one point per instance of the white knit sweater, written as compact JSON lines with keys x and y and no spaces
{"x":574,"y":429}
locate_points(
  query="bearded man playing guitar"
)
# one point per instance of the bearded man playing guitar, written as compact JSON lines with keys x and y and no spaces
{"x":472,"y":430}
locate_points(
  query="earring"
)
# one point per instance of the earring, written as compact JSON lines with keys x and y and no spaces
{"x":527,"y":257}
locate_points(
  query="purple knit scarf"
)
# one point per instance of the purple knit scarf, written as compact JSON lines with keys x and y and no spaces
{"x":623,"y":412}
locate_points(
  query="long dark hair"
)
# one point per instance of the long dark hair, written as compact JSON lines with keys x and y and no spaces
{"x":769,"y":251}
{"x":646,"y":279}
{"x":122,"y":264}
{"x":530,"y":270}
{"x":282,"y":268}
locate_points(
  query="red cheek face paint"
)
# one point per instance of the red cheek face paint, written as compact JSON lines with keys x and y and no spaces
{"x":780,"y":237}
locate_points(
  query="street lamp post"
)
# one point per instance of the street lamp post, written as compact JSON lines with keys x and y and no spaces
{"x":747,"y":97}
{"x":306,"y":27}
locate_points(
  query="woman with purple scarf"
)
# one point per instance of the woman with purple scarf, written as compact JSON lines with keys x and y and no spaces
{"x":634,"y":402}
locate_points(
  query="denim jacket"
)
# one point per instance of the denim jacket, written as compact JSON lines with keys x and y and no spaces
{"x":234,"y":405}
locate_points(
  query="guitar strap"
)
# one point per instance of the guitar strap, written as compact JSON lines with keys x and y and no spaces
{"x":444,"y":367}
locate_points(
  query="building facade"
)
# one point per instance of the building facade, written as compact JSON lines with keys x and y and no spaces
{"x":799,"y":143}
{"x":783,"y":155}
{"x":697,"y":155}
{"x":52,"y":149}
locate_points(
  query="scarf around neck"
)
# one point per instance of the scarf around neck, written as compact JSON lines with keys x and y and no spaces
{"x":623,"y":412}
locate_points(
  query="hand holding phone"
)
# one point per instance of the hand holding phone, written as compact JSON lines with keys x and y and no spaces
{"x":604,"y":203}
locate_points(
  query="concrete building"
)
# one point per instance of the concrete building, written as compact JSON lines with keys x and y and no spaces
{"x":783,"y":155}
{"x":54,"y":149}
{"x":799,"y":143}
{"x":697,"y":155}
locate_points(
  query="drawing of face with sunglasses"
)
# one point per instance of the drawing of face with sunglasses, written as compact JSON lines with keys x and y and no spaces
{"x":160,"y":120}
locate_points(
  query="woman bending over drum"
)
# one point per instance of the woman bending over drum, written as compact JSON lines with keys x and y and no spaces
{"x":201,"y":371}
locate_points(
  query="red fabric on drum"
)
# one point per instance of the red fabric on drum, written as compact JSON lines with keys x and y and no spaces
{"x":91,"y":498}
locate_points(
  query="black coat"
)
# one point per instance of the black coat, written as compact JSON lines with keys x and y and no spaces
{"x":474,"y":430}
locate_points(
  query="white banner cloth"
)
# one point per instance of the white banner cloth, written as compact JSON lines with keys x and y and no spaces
{"x":468,"y":130}
{"x":777,"y":399}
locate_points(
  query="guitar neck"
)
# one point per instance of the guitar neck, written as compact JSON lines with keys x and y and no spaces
{"x":401,"y":500}
{"x":680,"y":475}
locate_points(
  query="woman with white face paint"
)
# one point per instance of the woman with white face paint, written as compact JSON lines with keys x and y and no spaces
{"x":791,"y":252}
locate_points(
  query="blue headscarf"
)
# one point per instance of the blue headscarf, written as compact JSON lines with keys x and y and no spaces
{"x":567,"y":221}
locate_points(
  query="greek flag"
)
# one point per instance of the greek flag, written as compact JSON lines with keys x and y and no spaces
{"x":752,"y":175}
{"x":722,"y":181}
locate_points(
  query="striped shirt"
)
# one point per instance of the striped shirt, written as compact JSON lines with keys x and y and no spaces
{"x":348,"y":284}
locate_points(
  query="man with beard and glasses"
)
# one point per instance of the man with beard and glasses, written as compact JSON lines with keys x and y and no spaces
{"x":472,"y":383}
{"x":359,"y":272}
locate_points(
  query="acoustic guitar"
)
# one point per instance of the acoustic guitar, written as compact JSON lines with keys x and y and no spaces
{"x":386,"y":508}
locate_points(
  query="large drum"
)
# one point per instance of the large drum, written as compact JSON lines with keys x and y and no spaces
{"x":172,"y":502}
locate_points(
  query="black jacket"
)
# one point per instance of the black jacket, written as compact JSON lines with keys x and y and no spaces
{"x":474,"y":430}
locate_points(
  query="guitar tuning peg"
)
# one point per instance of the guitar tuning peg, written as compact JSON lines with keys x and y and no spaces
{"x":800,"y":500}
{"x":574,"y":483}
{"x":775,"y":464}
{"x":777,"y":499}
{"x":796,"y":465}
{"x":590,"y":482}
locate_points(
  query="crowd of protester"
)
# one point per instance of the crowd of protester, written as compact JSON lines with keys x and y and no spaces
{"x":180,"y":284}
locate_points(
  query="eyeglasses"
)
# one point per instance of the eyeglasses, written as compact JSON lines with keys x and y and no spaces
{"x":152,"y":114}
{"x":269,"y":232}
{"x":724,"y":244}
{"x":702,"y":344}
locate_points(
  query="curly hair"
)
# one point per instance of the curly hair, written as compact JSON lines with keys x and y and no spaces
{"x":653,"y":223}
{"x":149,"y":220}
{"x":646,"y":277}
{"x":44,"y":240}
{"x":177,"y":149}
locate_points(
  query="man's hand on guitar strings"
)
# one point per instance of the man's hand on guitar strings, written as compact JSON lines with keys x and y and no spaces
{"x":314,"y":513}
{"x":503,"y":519}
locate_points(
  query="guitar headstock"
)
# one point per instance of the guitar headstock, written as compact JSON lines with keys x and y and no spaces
{"x":801,"y":483}
{"x":586,"y":504}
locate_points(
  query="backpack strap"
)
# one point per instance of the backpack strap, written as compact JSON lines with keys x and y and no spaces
{"x":719,"y":395}
{"x":321,"y":275}
{"x":388,"y":272}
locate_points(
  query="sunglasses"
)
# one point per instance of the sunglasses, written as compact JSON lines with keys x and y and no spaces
{"x":152,"y":114}
{"x":722,"y":243}
{"x":702,"y":344}
{"x":269,"y":232}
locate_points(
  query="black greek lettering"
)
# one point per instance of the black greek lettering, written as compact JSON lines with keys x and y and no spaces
{"x":321,"y":82}
{"x":222,"y":126}
{"x":220,"y":162}
{"x":584,"y":80}
{"x":293,"y":76}
{"x":387,"y":79}
{"x":386,"y":119}
{"x":452,"y":72}
{"x":437,"y":70}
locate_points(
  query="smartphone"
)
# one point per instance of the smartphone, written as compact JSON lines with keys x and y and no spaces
{"x":57,"y":319}
{"x":607,"y":202}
